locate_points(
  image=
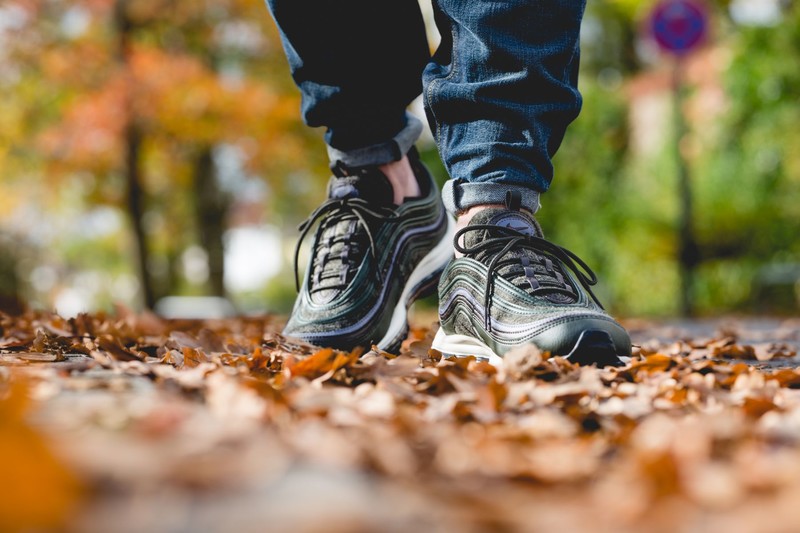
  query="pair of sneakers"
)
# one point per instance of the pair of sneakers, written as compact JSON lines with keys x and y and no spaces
{"x":371,"y":259}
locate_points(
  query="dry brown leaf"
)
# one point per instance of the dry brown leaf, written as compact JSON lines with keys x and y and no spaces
{"x":173,"y":357}
{"x":756,"y":407}
{"x":116,"y":349}
{"x":787,"y":377}
{"x":653,"y":363}
{"x":322,"y":362}
{"x":520,"y":362}
{"x":728,"y":349}
{"x":193,"y":358}
{"x":770,"y":351}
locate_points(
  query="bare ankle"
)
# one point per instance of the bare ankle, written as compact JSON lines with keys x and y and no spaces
{"x":463,"y":218}
{"x":402,"y":178}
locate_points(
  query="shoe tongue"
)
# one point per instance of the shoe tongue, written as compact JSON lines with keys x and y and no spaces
{"x":518,"y":274}
{"x":371,"y":185}
{"x":519,"y":221}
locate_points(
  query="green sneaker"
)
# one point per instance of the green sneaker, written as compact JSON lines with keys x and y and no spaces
{"x":512,"y":287}
{"x":370,"y":260}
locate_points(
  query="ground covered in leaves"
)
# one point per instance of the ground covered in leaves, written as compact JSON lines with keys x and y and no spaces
{"x":133,"y":423}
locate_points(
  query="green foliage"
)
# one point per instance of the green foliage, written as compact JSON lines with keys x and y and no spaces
{"x":749,"y":195}
{"x":194,"y":75}
{"x":614,"y":211}
{"x":619,"y":209}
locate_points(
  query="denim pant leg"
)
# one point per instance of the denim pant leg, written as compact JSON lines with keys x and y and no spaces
{"x":358,"y":64}
{"x":499,"y":94}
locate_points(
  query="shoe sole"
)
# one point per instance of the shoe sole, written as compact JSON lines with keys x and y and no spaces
{"x":593,"y":347}
{"x":422,"y":282}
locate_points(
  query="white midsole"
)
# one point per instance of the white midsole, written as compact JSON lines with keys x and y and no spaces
{"x":435,"y":260}
{"x":463,"y":346}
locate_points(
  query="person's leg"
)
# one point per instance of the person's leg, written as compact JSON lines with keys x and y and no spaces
{"x":500,"y":93}
{"x":382,"y":239}
{"x":358,"y":65}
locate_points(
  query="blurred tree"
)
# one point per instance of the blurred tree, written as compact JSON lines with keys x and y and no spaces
{"x":10,"y":301}
{"x":146,"y":91}
{"x":125,"y":28}
{"x":750,"y":192}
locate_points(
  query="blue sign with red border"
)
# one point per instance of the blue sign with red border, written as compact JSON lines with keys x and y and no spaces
{"x":679,"y":26}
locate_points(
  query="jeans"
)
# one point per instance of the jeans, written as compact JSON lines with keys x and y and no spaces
{"x":499,"y":92}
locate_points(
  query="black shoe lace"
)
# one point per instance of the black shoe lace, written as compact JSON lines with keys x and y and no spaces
{"x":358,"y":210}
{"x":503,"y":240}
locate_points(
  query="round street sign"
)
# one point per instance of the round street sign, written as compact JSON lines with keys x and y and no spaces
{"x":679,"y":26}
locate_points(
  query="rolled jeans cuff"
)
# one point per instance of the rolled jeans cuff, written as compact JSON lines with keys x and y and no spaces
{"x":381,"y":153}
{"x":458,"y":195}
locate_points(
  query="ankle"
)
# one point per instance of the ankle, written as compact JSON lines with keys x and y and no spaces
{"x":463,"y":218}
{"x":401,"y":176}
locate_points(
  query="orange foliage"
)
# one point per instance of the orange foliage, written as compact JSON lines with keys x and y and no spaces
{"x":170,"y":95}
{"x":38,"y":492}
{"x":89,"y":136}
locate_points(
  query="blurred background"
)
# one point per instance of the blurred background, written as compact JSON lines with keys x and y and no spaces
{"x":153,"y":148}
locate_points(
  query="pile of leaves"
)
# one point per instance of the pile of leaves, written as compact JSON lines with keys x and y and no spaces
{"x":139,"y":423}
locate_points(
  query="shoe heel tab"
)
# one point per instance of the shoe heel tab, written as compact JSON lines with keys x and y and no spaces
{"x":340,"y":170}
{"x":513,"y":200}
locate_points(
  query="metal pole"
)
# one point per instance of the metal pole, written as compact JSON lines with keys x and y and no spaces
{"x":688,"y":253}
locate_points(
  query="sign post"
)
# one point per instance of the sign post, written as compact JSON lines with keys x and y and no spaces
{"x":679,"y":27}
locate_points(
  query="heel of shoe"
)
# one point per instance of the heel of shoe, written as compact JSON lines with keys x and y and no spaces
{"x":464,"y":346}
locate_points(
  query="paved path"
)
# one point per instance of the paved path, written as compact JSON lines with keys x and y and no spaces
{"x":747,"y":330}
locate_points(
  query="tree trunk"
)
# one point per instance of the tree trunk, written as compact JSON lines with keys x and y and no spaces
{"x":211,"y":206}
{"x":688,"y":251}
{"x":133,"y":143}
{"x":10,"y":300}
{"x":132,"y":168}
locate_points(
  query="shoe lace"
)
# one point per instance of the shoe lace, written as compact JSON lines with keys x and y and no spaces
{"x":356,"y":209}
{"x":503,"y":240}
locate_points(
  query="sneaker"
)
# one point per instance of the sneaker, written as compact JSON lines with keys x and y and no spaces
{"x":370,"y":259}
{"x":512,"y":287}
